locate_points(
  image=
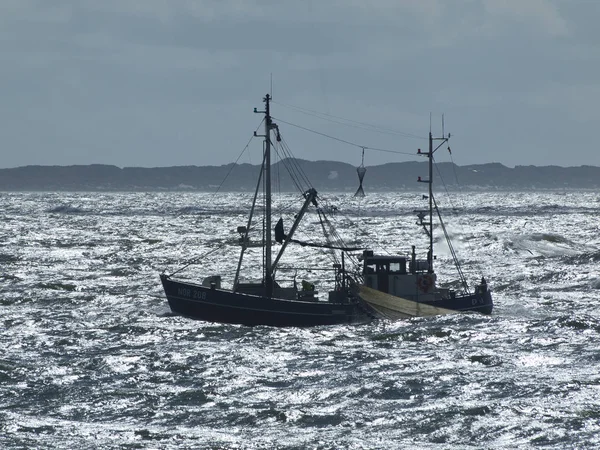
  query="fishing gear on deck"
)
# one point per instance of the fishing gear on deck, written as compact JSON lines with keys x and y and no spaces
{"x":361,"y":170}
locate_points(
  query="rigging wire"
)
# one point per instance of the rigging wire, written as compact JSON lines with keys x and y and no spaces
{"x":322,"y":221}
{"x":198,"y":258}
{"x":278,"y":177}
{"x":302,"y":183}
{"x":292,"y":171}
{"x":351,"y":223}
{"x":187,"y":264}
{"x":454,"y":170}
{"x":293,"y":161}
{"x":285,"y":208}
{"x":443,"y":183}
{"x":461,"y":274}
{"x":362,"y":125}
{"x":453,"y":210}
{"x":291,"y":167}
{"x":479,"y":266}
{"x":366,"y":147}
{"x":238,"y":158}
{"x":299,"y":178}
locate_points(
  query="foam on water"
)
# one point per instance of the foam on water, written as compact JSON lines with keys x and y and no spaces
{"x":92,"y":357}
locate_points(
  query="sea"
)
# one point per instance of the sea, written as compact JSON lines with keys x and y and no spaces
{"x":92,"y":358}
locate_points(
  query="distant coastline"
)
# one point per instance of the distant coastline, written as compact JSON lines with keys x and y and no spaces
{"x":324,"y":175}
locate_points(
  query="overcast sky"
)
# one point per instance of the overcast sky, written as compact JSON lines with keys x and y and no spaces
{"x":174,"y":82}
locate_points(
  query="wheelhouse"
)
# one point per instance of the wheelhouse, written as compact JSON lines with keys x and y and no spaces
{"x":398,"y":275}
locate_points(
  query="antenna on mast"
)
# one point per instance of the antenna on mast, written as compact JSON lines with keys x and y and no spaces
{"x":271,"y":85}
{"x":443,"y":134}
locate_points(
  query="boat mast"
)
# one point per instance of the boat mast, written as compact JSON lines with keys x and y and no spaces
{"x":268,"y":275}
{"x":430,"y":160}
{"x":429,"y":225}
{"x":248,"y":225}
{"x":268,"y":266}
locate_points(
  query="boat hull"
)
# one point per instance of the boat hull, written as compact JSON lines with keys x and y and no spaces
{"x":388,"y":306}
{"x":222,"y":306}
{"x":479,"y":302}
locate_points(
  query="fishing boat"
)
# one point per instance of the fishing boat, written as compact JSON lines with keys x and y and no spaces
{"x":399,"y":285}
{"x":370,"y":287}
{"x":266,"y":301}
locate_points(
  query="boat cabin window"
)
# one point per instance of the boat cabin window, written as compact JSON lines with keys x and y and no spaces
{"x":377,"y":267}
{"x":398,"y":267}
{"x":386,"y":267}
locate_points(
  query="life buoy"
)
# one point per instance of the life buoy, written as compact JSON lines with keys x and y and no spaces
{"x":425,"y":282}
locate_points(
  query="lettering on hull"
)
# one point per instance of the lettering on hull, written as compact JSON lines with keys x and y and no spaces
{"x":191,"y":293}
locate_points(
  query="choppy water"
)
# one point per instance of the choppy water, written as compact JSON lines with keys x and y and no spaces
{"x":91,"y":357}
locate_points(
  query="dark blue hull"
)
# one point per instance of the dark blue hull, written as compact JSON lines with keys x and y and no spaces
{"x":217,"y":305}
{"x":480,"y":302}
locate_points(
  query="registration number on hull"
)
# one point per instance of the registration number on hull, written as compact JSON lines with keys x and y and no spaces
{"x":191,"y":293}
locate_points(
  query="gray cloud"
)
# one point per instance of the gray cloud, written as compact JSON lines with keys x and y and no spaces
{"x":157,"y":83}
